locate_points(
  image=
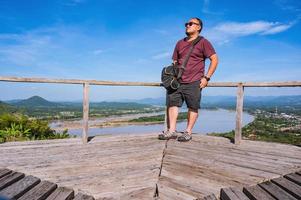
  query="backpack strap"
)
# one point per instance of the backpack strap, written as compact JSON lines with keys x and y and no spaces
{"x":183,"y":66}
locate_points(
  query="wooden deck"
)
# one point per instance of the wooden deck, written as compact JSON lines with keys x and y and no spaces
{"x":141,"y":167}
{"x":16,"y":185}
{"x":287,"y":187}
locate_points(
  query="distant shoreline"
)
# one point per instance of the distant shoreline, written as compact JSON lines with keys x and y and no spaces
{"x":117,"y":121}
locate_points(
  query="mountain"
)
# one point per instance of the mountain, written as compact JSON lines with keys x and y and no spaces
{"x":230,"y":101}
{"x":272,"y":101}
{"x":251,"y":102}
{"x":152,"y":101}
{"x":13,"y":101}
{"x":35,"y":101}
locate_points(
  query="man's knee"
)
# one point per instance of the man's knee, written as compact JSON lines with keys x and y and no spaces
{"x":195,"y":110}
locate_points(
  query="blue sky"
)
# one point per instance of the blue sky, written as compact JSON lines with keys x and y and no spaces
{"x":131,"y":40}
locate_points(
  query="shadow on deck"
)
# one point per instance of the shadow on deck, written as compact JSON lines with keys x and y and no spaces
{"x":141,"y":167}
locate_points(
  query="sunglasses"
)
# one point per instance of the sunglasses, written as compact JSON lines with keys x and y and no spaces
{"x":190,"y":24}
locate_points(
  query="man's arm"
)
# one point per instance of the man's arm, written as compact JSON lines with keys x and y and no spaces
{"x":212,"y":68}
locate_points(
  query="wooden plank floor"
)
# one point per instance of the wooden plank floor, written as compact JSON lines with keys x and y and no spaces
{"x":286,"y":187}
{"x":108,"y":167}
{"x":16,"y":185}
{"x":207,"y":164}
{"x":128,"y":166}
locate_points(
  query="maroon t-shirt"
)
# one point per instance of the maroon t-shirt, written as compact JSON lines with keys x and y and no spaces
{"x":195,"y":67}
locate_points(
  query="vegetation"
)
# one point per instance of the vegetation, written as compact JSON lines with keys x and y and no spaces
{"x":16,"y":127}
{"x":40,"y":108}
{"x":6,"y":108}
{"x":26,"y":119}
{"x":272,"y":128}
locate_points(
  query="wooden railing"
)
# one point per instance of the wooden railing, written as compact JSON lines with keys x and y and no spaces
{"x":86,"y":83}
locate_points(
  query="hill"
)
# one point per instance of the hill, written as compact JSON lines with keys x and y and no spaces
{"x":35,"y":101}
{"x":5,"y":108}
{"x":288,"y":104}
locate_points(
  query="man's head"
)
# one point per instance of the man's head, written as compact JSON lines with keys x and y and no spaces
{"x":193,"y":26}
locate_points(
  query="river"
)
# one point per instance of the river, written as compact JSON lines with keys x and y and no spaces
{"x":209,"y":121}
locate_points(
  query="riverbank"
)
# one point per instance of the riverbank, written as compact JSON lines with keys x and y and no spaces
{"x":100,"y":122}
{"x":121,"y":120}
{"x":271,"y":127}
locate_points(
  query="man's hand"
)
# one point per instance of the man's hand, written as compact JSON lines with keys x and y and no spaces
{"x":203,"y":83}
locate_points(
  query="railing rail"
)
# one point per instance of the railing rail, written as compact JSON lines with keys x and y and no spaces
{"x":86,"y":83}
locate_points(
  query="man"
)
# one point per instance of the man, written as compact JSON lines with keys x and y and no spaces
{"x":193,"y":79}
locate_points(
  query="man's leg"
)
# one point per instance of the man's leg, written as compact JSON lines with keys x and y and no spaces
{"x":192,"y":116}
{"x":173,"y":115}
{"x":174,"y":100}
{"x":192,"y":95}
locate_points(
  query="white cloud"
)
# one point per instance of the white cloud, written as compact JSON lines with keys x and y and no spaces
{"x":46,"y":51}
{"x":161,"y":55}
{"x":249,"y":28}
{"x":288,"y":5}
{"x":224,"y":32}
{"x":73,"y":2}
{"x":26,"y":48}
{"x":161,"y":31}
{"x":206,"y":10}
{"x":277,"y":29}
{"x":98,"y":51}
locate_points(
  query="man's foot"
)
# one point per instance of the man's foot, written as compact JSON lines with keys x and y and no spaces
{"x":185,"y":137}
{"x":166,"y":135}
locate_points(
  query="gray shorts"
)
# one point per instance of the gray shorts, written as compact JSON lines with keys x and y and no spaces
{"x":188,"y":92}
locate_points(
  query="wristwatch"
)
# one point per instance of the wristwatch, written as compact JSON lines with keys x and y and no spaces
{"x":207,"y":78}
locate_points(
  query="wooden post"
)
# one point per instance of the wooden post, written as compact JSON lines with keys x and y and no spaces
{"x":85,"y":113}
{"x":239,"y":112}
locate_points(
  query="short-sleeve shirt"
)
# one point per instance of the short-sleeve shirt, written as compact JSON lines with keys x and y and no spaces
{"x":195,"y":67}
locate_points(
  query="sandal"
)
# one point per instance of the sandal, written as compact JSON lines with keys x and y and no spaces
{"x":185,"y":137}
{"x":166,"y":135}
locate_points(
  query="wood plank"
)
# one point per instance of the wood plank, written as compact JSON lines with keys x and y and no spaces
{"x":200,"y":144}
{"x":170,"y":191}
{"x":19,"y":188}
{"x":222,"y":174}
{"x":98,"y":82}
{"x":256,"y":149}
{"x":257,"y":193}
{"x":239,"y":110}
{"x":209,"y":197}
{"x":225,"y":160}
{"x":4,"y":172}
{"x":144,"y":193}
{"x":294,"y":177}
{"x":10,"y":179}
{"x":81,"y":196}
{"x":61,"y":193}
{"x":85,"y":112}
{"x":232,"y":194}
{"x":299,"y":173}
{"x":195,"y":178}
{"x":75,"y":81}
{"x":290,"y":187}
{"x":39,"y":192}
{"x":275,"y":191}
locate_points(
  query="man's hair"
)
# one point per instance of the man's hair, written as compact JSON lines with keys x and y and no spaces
{"x":200,"y":22}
